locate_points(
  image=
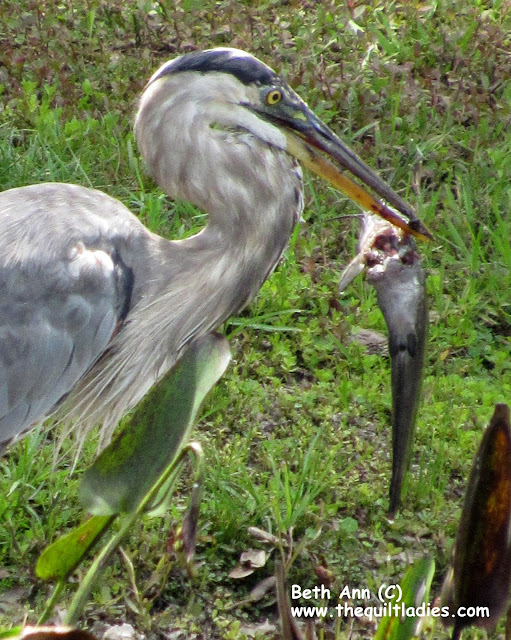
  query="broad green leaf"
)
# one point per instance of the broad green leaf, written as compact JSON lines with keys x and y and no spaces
{"x":60,"y":558}
{"x":415,"y":586}
{"x":481,"y":573}
{"x":10,"y":633}
{"x":153,"y":436}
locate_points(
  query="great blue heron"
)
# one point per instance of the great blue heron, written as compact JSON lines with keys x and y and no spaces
{"x":94,"y":307}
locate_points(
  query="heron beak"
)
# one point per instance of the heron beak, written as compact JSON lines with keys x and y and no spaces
{"x":307,"y":134}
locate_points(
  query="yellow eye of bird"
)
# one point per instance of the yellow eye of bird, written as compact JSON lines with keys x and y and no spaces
{"x":273,"y":96}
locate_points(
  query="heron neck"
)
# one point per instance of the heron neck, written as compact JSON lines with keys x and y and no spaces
{"x":224,"y":266}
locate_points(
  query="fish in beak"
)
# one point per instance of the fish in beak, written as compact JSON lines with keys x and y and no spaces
{"x":393,"y":268}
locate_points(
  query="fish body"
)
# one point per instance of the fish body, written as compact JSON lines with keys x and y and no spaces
{"x":392,"y":264}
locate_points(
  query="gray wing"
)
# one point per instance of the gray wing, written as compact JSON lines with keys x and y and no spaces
{"x":65,"y":288}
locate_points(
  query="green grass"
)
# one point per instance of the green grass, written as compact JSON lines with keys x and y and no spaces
{"x":296,"y":433}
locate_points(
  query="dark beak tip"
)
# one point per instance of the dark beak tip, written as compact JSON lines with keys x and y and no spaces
{"x":419,"y":228}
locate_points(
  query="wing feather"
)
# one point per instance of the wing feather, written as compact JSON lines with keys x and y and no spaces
{"x":62,"y":293}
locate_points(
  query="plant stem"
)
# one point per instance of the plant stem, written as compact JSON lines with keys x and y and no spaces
{"x":51,"y":602}
{"x":80,"y":597}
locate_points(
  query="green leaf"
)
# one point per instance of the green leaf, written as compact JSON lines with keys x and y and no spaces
{"x":414,"y":592}
{"x":153,"y":436}
{"x":10,"y":633}
{"x":60,"y":558}
{"x":349,"y":525}
{"x":481,"y":574}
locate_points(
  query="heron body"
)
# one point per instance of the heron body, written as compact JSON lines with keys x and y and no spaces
{"x":94,"y":307}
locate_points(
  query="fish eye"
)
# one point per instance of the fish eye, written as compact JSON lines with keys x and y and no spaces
{"x":273,"y":97}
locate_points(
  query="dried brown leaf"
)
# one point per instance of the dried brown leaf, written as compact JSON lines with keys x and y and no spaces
{"x":262,"y":588}
{"x":263,"y":536}
{"x":240,"y":572}
{"x":255,"y":558}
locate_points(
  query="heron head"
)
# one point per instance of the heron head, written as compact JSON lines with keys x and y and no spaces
{"x":242,"y":93}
